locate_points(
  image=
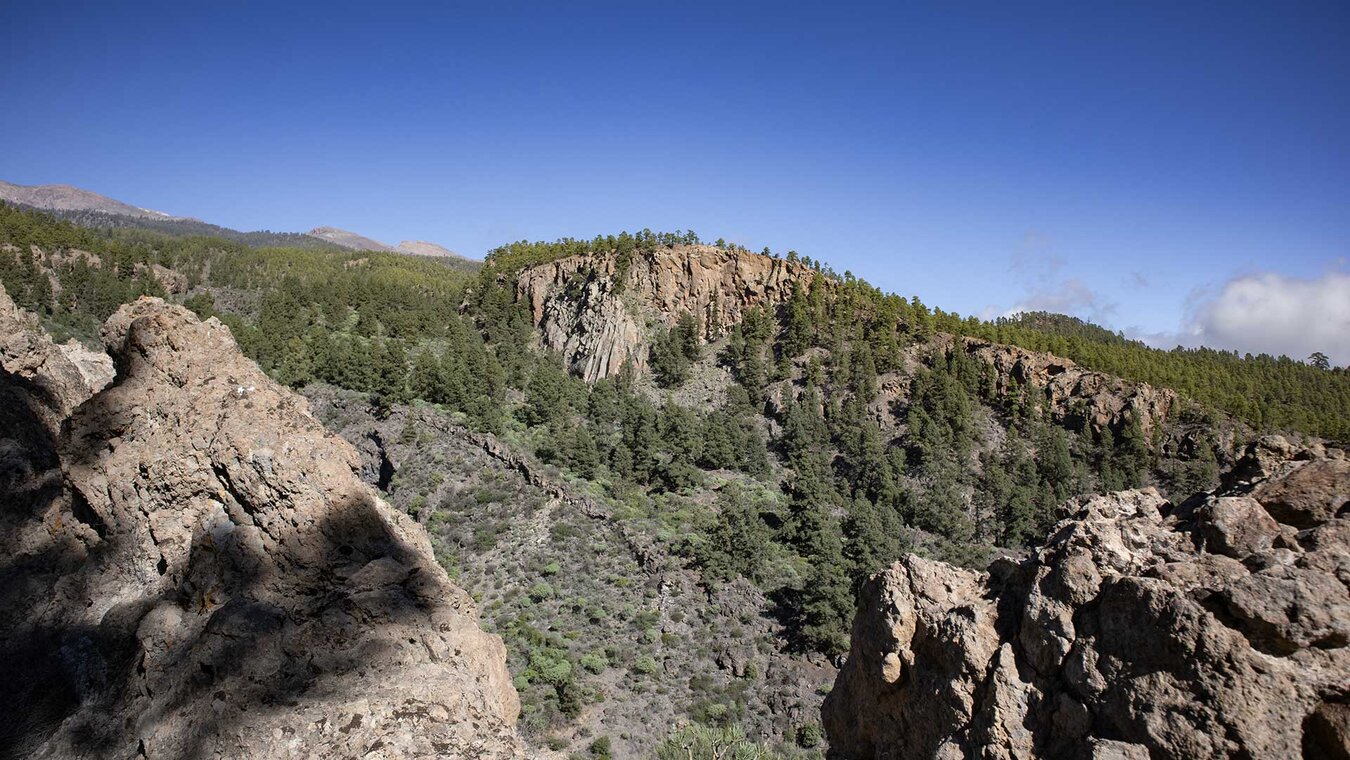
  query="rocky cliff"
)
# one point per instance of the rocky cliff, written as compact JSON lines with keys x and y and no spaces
{"x":192,"y":569}
{"x":1214,"y":628}
{"x":595,"y":310}
{"x":1075,"y":397}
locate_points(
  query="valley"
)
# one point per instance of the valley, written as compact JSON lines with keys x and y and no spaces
{"x":665,"y":473}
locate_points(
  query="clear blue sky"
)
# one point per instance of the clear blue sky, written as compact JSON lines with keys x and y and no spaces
{"x":1123,"y":161}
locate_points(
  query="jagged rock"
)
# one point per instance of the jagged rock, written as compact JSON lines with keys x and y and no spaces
{"x":1236,"y":526}
{"x":1139,"y":629}
{"x":213,"y":580}
{"x":596,"y":315}
{"x":1327,"y":732}
{"x":1312,"y":493}
{"x":47,"y":380}
{"x":1075,"y":396}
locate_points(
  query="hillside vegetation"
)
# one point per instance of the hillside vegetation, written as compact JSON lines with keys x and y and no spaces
{"x":843,"y":432}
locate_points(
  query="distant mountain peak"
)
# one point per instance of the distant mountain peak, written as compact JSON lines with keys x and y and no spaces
{"x":425,"y":248}
{"x":68,"y":199}
{"x":348,"y":239}
{"x":71,"y":198}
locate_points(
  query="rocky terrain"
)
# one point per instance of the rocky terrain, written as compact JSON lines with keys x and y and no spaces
{"x":193,"y":569}
{"x":568,"y":575}
{"x":1217,"y":627}
{"x":1077,"y":398}
{"x":596,"y":311}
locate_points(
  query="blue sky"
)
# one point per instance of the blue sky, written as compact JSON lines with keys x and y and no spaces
{"x":1152,"y":166}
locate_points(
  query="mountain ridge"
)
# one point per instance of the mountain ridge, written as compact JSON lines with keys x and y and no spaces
{"x":77,"y":204}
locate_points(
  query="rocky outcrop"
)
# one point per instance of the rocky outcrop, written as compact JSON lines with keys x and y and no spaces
{"x":1219,"y":627}
{"x":198,"y":572}
{"x":595,"y":310}
{"x":1075,"y":397}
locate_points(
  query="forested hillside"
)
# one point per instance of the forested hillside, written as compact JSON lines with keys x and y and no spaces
{"x":809,"y":446}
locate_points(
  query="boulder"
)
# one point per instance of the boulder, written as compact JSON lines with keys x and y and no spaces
{"x":209,"y":577}
{"x":1138,"y":629}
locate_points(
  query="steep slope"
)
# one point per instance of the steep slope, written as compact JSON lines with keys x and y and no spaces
{"x":1219,"y":627}
{"x":69,"y":198}
{"x":595,"y":309}
{"x":569,"y":576}
{"x":193,"y":569}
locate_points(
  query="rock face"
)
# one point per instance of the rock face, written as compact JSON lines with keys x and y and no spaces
{"x":1215,"y":628}
{"x":1074,"y":396}
{"x":596,"y":315}
{"x":196,"y":571}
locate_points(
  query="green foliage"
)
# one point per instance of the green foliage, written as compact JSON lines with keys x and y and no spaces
{"x":600,"y":749}
{"x":697,"y":742}
{"x":673,"y":351}
{"x":737,"y":540}
{"x":646,"y":665}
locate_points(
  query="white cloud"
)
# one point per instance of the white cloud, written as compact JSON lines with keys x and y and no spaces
{"x":1040,"y":270}
{"x":1270,"y":313}
{"x":1071,"y":296}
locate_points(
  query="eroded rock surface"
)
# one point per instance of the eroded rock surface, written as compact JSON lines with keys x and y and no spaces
{"x":198,"y":572}
{"x":597,"y":315}
{"x":1215,"y":628}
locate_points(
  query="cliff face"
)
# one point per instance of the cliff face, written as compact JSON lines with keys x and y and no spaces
{"x":193,"y":569}
{"x":597,"y":316}
{"x":1215,"y":628}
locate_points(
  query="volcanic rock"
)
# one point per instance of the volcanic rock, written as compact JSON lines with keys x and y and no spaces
{"x":203,"y":574}
{"x":1139,"y":629}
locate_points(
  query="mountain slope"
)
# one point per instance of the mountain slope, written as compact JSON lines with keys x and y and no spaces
{"x":68,"y":198}
{"x":424,"y":248}
{"x":348,"y":239}
{"x":680,"y":540}
{"x":90,"y":209}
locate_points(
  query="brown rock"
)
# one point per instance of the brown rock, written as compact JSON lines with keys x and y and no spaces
{"x":1119,"y":637}
{"x":213,"y":580}
{"x":1326,"y":733}
{"x":1313,"y":493}
{"x":596,"y":315}
{"x":1236,"y":526}
{"x":1076,"y":397}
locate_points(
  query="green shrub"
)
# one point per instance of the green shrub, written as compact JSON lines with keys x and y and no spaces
{"x":703,"y":743}
{"x":595,"y":662}
{"x":600,"y":749}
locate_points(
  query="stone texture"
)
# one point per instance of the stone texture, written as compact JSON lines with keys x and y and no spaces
{"x":1139,"y":629}
{"x":1236,"y":526}
{"x":597,"y":316}
{"x":211,"y":579}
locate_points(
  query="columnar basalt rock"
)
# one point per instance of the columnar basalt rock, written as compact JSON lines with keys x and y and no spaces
{"x":597,"y":315}
{"x":1219,"y":627}
{"x":212,"y":580}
